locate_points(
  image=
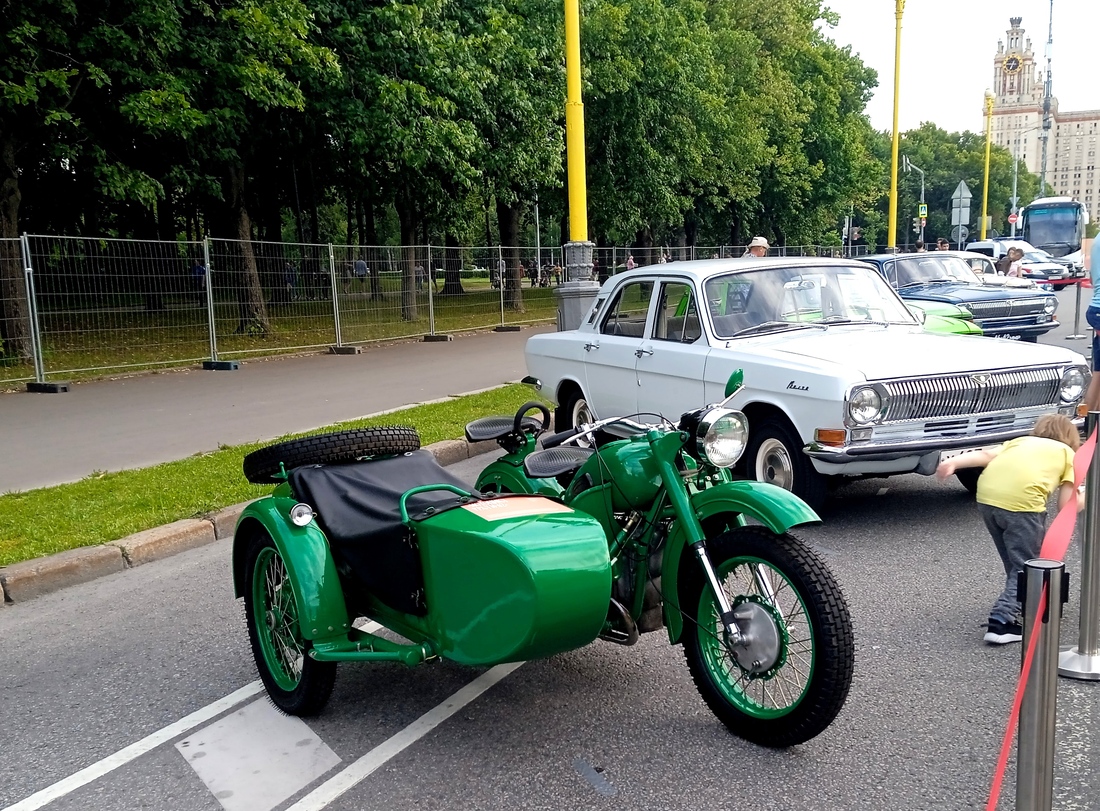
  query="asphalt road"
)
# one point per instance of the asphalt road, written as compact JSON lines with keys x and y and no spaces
{"x":142,"y":420}
{"x":91,"y":670}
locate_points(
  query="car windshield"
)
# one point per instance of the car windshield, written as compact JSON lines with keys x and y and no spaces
{"x":773,"y":299}
{"x":1038,"y":256}
{"x":929,"y":268}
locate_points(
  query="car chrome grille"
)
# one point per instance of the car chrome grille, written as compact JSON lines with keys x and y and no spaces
{"x":980,"y":393}
{"x":1007,"y":308}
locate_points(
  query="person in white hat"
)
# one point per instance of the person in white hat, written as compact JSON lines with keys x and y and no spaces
{"x":758,"y":247}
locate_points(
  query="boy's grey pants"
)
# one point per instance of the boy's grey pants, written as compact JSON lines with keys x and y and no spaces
{"x":1017,"y":537}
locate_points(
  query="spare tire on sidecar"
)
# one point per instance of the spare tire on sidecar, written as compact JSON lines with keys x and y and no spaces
{"x":265,"y":465}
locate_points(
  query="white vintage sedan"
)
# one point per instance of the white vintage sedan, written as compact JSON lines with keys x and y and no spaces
{"x":840,"y":379}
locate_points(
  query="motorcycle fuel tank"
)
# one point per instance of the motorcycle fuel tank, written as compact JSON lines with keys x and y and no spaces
{"x":631,"y":470}
{"x":513,"y":578}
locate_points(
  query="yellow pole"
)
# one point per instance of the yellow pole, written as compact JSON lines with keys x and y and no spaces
{"x":892,"y":226}
{"x":988,"y":143}
{"x":574,"y":125}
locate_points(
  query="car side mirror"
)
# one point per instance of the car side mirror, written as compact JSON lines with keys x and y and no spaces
{"x":918,"y":313}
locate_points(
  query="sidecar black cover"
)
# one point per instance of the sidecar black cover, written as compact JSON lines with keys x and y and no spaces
{"x":357,"y":507}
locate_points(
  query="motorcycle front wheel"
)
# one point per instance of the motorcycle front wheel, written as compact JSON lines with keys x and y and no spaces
{"x":788,"y":678}
{"x":297,"y":684}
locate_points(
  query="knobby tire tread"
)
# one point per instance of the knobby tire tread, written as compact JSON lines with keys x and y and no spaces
{"x":834,"y":646}
{"x":261,"y":466}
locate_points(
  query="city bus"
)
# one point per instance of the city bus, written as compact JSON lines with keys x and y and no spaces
{"x":1057,"y":226}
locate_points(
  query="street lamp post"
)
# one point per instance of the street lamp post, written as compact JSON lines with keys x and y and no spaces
{"x":1015,"y":199}
{"x":988,"y":143}
{"x":892,"y":225}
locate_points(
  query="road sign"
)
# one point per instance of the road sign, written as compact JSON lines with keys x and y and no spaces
{"x":1012,"y":218}
{"x":961,"y":192}
{"x":923,"y":222}
{"x":922,"y":210}
{"x":959,"y":233}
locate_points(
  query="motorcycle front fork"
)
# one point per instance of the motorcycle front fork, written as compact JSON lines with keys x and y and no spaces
{"x":725,"y":611}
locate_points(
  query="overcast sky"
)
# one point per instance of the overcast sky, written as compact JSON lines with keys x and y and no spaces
{"x":947,"y":49}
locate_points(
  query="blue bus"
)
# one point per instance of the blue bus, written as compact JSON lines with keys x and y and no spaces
{"x":1057,"y":226}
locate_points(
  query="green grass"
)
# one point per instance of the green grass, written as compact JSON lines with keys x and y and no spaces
{"x":107,"y":506}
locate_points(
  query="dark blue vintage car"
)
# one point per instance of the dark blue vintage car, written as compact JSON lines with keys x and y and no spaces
{"x":1006,"y":308}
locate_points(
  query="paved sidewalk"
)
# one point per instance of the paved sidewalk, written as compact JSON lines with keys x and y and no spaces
{"x":134,"y":422}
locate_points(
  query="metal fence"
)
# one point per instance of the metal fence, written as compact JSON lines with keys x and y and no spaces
{"x":77,"y":306}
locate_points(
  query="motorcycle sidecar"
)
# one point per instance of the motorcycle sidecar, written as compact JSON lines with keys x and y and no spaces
{"x":476,"y":580}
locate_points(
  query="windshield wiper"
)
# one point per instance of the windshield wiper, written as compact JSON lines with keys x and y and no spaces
{"x":770,"y":325}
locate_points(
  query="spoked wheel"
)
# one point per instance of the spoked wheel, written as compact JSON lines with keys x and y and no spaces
{"x":788,"y":677}
{"x":297,"y":684}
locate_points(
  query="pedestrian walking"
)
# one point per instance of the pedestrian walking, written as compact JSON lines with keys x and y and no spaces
{"x":942,"y":244}
{"x":1019,"y":478}
{"x":1092,"y":316}
{"x":630,"y":263}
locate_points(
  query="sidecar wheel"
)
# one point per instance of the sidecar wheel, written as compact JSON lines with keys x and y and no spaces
{"x":297,"y":684}
{"x":261,"y":466}
{"x":791,"y":679}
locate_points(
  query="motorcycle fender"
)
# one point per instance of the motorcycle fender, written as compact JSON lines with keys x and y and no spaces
{"x":309,"y":564}
{"x":775,"y":508}
{"x":505,"y":475}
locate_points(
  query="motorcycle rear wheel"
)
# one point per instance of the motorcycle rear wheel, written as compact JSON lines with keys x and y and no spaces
{"x":802,"y":681}
{"x":297,"y":684}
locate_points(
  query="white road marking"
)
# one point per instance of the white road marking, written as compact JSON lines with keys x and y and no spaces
{"x":256,"y":757}
{"x":358,"y":771}
{"x":134,"y":750}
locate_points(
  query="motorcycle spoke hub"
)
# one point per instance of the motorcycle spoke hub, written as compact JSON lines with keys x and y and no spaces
{"x":761,"y":650}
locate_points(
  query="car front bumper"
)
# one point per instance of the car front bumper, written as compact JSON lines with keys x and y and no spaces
{"x":918,"y":455}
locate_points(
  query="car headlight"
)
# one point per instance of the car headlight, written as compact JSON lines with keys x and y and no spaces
{"x":1073,"y":384}
{"x":864,"y":405}
{"x":1050,"y":305}
{"x":721,"y":435}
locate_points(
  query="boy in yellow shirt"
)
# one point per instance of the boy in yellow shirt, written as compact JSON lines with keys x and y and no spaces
{"x":1013,"y":489}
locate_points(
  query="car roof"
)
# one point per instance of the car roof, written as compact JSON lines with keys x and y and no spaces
{"x":705,"y":268}
{"x":882,"y":257}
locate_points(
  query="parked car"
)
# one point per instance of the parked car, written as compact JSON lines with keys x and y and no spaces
{"x":946,"y":318}
{"x":948,"y":277}
{"x":842,"y":380}
{"x":1037,"y":264}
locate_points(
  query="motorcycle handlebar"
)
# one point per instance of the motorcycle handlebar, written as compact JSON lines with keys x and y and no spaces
{"x":553,"y":440}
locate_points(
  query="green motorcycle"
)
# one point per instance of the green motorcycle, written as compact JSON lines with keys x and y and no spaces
{"x":765,"y":628}
{"x":645,"y":532}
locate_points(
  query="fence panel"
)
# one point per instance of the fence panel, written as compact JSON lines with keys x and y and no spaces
{"x":528,"y":292}
{"x":270,"y":297}
{"x":467,"y":292}
{"x":16,"y":350}
{"x":111,"y":304}
{"x":380,"y":294}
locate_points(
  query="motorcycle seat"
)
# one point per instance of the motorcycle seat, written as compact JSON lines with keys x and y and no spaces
{"x":488,"y":428}
{"x":550,"y":462}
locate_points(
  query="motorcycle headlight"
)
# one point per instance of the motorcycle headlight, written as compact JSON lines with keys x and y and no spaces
{"x":1050,"y":305}
{"x":865,"y":405}
{"x":721,"y":436}
{"x":1073,"y":384}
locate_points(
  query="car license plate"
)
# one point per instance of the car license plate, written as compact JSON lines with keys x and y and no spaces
{"x":945,"y":455}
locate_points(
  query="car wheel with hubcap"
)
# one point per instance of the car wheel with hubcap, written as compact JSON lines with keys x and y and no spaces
{"x":573,"y":411}
{"x":775,"y":456}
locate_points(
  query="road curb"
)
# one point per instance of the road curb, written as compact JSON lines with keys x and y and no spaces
{"x":20,"y":582}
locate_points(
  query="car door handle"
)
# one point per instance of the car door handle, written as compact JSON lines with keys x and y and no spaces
{"x":590,"y":347}
{"x":639,"y":352}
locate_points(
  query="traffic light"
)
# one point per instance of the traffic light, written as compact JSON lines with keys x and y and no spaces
{"x":916,"y":225}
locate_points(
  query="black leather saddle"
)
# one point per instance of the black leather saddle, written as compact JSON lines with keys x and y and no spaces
{"x":488,"y":428}
{"x":552,"y":462}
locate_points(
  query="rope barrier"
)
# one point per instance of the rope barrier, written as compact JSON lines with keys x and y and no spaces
{"x":1055,"y":544}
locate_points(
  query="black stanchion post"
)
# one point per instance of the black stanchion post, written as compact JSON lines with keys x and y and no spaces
{"x":1035,"y":753}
